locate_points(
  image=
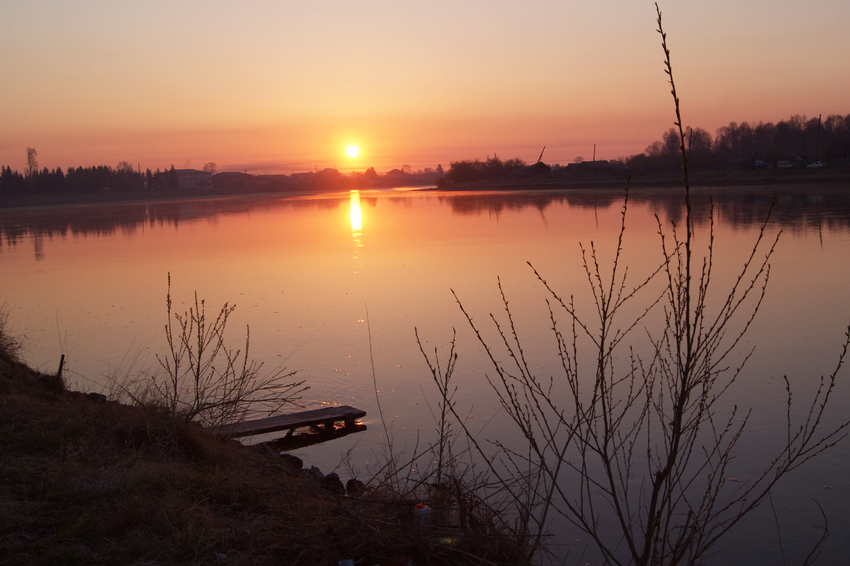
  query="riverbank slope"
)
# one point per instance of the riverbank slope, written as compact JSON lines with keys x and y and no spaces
{"x":85,"y":480}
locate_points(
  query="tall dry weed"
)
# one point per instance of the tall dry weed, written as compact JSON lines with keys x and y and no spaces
{"x":11,"y":345}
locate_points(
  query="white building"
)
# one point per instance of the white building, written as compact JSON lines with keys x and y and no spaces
{"x":193,"y":179}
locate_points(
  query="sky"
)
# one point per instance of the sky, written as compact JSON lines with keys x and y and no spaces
{"x":278,"y":86}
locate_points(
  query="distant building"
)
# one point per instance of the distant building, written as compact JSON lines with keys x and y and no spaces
{"x":591,"y":166}
{"x":328,"y":174}
{"x":193,"y":179}
{"x":839,"y":154}
{"x":302,"y":177}
{"x":232,"y":179}
{"x":530,"y":171}
{"x":395,"y":175}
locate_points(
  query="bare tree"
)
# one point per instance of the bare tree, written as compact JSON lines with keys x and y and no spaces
{"x":210,"y":168}
{"x":32,"y":162}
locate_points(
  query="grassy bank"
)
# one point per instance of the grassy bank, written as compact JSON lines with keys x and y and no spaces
{"x":84,"y":480}
{"x":89,"y":481}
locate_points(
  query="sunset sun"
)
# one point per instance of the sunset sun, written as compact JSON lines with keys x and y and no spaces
{"x":352,"y":151}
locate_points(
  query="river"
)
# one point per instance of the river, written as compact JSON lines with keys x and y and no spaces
{"x":314,"y":277}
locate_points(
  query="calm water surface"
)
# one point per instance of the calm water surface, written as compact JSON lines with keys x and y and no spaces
{"x":314,"y":276}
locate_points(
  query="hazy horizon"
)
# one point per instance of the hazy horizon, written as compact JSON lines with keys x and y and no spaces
{"x":277,"y":88}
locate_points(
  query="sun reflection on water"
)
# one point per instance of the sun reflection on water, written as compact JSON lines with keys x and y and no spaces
{"x":356,"y":223}
{"x":356,"y":217}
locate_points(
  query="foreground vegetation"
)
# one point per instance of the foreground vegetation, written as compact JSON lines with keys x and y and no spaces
{"x":627,"y":439}
{"x":85,"y":479}
{"x":90,"y":481}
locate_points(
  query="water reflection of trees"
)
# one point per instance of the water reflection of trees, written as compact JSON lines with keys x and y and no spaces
{"x":793,"y":209}
{"x":477,"y":203}
{"x":104,"y":220}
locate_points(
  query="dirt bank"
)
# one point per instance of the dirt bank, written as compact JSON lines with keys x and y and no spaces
{"x":85,"y":480}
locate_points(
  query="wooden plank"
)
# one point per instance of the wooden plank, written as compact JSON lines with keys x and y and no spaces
{"x":326,"y":416}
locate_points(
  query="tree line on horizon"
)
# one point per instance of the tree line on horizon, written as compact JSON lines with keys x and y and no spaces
{"x":768,"y":142}
{"x":731,"y":145}
{"x":125,"y":179}
{"x":80,"y":180}
{"x":811,"y":138}
{"x":477,"y":170}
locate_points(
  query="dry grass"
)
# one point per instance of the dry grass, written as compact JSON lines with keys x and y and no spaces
{"x":84,"y":480}
{"x":11,"y":344}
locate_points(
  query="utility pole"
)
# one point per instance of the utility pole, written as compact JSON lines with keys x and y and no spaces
{"x":817,"y":141}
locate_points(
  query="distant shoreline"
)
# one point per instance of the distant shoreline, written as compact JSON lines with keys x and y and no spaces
{"x":26,"y":201}
{"x":796,"y":178}
{"x":821,"y":178}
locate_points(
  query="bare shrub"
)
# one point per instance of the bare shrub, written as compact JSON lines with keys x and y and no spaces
{"x":203,"y":380}
{"x":468,"y":516}
{"x":11,"y":345}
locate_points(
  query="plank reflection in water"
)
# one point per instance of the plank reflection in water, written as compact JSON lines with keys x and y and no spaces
{"x":312,"y":437}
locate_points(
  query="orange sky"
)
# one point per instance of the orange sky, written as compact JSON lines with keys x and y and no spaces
{"x":279,"y":87}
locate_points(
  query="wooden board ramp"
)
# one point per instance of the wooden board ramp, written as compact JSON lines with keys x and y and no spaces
{"x":316,"y":418}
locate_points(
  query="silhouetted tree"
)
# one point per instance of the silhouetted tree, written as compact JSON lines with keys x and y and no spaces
{"x":11,"y":182}
{"x":699,"y":146}
{"x":796,"y":136}
{"x":32,"y":162}
{"x":477,"y":170}
{"x":463,"y":171}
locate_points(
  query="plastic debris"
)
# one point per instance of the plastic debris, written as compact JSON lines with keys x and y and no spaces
{"x":423,"y":515}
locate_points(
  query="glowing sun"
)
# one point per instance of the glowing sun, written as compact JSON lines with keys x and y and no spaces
{"x":352,"y":151}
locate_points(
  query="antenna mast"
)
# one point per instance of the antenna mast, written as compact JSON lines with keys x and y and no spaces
{"x":541,"y":154}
